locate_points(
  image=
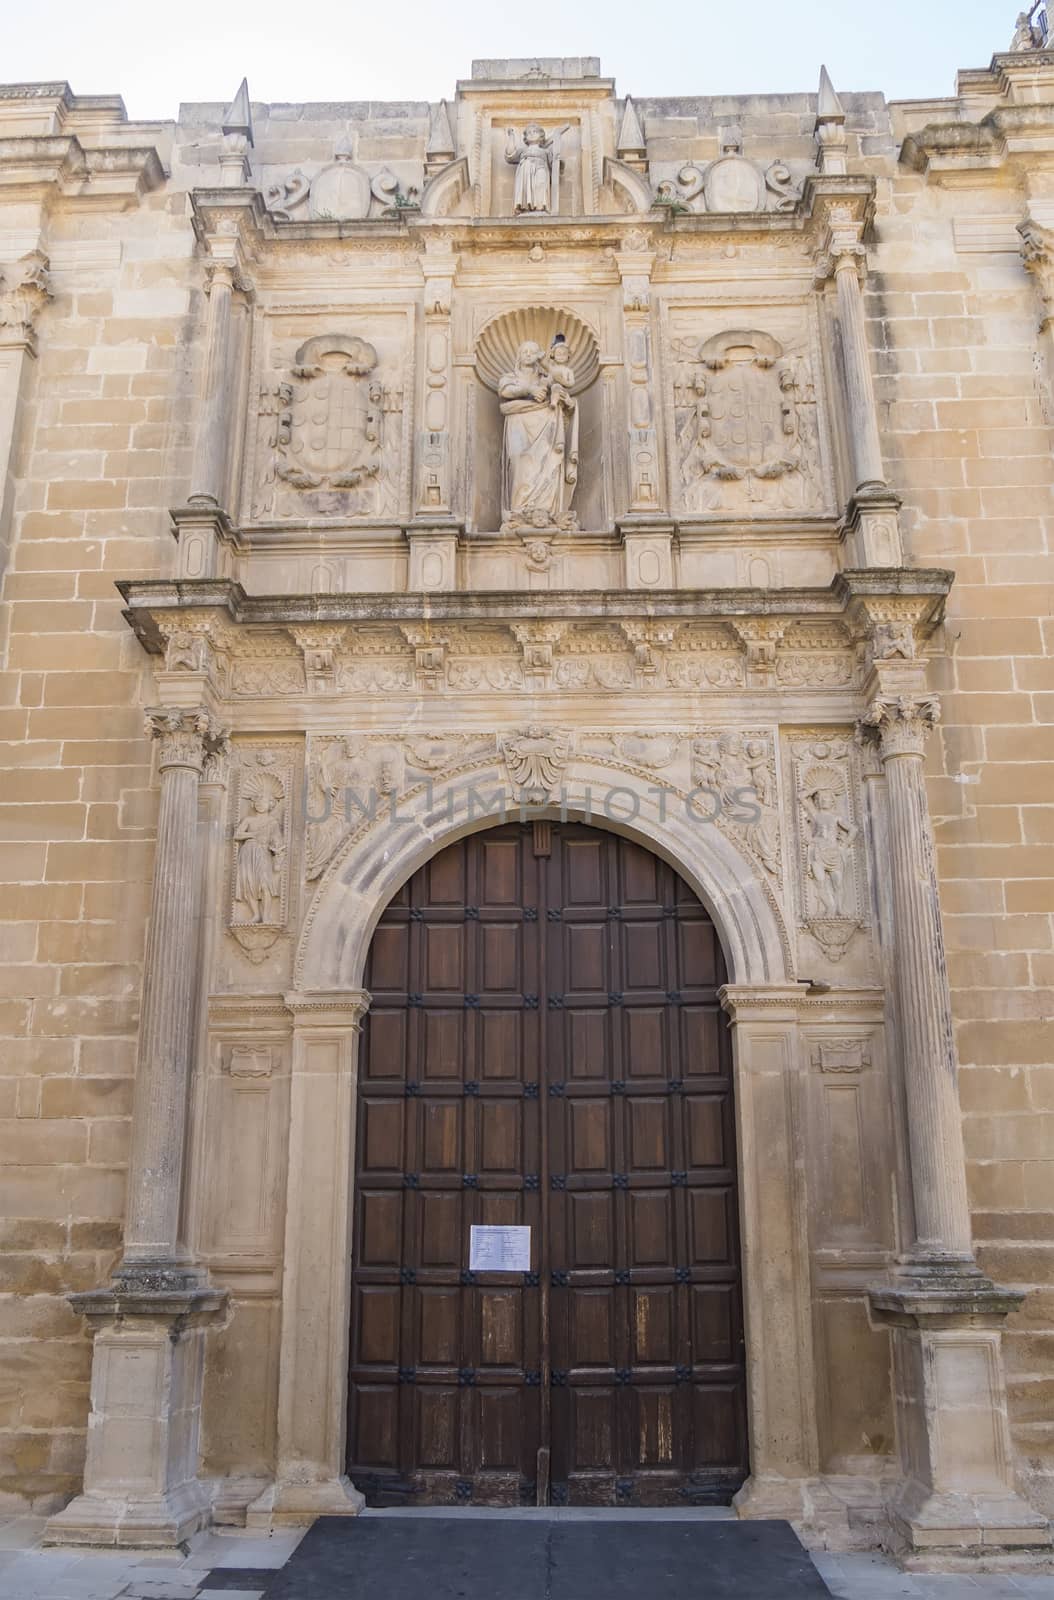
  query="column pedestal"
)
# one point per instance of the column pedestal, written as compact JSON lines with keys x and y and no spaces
{"x":957,"y":1493}
{"x":140,"y":1479}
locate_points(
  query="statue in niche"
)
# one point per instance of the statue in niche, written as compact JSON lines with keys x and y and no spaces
{"x":540,"y":445}
{"x":260,"y":839}
{"x":828,"y":855}
{"x":537,"y":161}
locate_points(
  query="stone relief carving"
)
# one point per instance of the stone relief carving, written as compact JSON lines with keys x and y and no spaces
{"x":342,"y":191}
{"x":739,"y":771}
{"x":842,"y":1056}
{"x":1029,"y":34}
{"x":261,"y":797}
{"x":536,"y":761}
{"x":828,"y":841}
{"x":731,"y":183}
{"x":745,"y":425}
{"x":348,"y":778}
{"x":536,"y":157}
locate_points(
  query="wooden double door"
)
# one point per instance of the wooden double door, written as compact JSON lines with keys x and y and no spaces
{"x":545,"y":1048}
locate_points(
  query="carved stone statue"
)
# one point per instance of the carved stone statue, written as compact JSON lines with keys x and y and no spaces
{"x":1026,"y":35}
{"x":537,"y":161}
{"x":261,"y":852}
{"x":829,"y":851}
{"x":540,"y":448}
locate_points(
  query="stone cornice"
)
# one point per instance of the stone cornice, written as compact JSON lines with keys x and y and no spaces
{"x":1019,"y":135}
{"x":61,"y":166}
{"x":151,"y":600}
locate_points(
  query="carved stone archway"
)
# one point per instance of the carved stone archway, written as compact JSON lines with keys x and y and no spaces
{"x":328,"y":1005}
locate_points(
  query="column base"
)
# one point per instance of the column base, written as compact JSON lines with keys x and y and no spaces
{"x":291,"y":1503}
{"x":820,"y":1518}
{"x":925,"y":1522}
{"x":161,"y":1522}
{"x":141,"y":1487}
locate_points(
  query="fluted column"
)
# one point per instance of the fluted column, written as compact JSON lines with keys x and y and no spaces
{"x":209,"y":478}
{"x":166,"y":1028}
{"x":942,"y":1215}
{"x":864,"y":441}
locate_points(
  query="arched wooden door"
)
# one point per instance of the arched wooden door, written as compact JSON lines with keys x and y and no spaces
{"x":545,"y":1047}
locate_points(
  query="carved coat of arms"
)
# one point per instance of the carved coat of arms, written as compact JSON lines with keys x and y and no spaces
{"x":330,"y":437}
{"x":743,"y":438}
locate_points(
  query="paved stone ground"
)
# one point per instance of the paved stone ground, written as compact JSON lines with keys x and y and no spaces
{"x":30,"y":1573}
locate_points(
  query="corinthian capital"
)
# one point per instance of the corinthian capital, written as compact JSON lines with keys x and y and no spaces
{"x":186,"y":737}
{"x":1037,"y":252}
{"x":22,"y":298}
{"x":901,"y":723}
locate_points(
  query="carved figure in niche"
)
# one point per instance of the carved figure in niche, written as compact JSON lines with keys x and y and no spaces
{"x":540,"y":446}
{"x":828,"y":857}
{"x":742,"y":438}
{"x":537,"y":161}
{"x":261,"y":850}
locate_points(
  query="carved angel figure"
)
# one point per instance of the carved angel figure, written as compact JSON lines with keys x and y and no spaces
{"x":829,"y":851}
{"x":261,"y":853}
{"x":534,"y":157}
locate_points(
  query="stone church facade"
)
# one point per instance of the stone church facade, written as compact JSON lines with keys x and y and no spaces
{"x":584,"y":566}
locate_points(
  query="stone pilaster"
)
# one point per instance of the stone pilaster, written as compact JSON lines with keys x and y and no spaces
{"x":646,"y":530}
{"x":316,"y":1283}
{"x":1037,"y":252}
{"x":140,"y":1478}
{"x":957,"y":1488}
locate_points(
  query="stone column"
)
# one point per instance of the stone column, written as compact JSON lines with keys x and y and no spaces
{"x":207,"y":539}
{"x":166,"y":1029}
{"x":957,"y":1489}
{"x":1037,"y":252}
{"x":872,"y":514}
{"x":316,"y":1278}
{"x":140,"y":1477}
{"x":938,"y":1163}
{"x":24,"y":292}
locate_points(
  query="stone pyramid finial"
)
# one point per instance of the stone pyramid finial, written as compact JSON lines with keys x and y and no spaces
{"x":238,"y":117}
{"x":440,"y":146}
{"x":829,"y":107}
{"x":631,"y":147}
{"x":832,"y":156}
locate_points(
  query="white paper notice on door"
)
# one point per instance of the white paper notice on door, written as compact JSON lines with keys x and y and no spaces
{"x":499,"y":1249}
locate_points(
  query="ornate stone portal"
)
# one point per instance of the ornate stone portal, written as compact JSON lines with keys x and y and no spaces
{"x":539,"y":474}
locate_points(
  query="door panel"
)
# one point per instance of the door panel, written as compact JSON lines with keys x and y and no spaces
{"x":545,"y":1047}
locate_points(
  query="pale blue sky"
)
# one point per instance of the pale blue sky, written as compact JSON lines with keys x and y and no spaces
{"x":156,"y":55}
